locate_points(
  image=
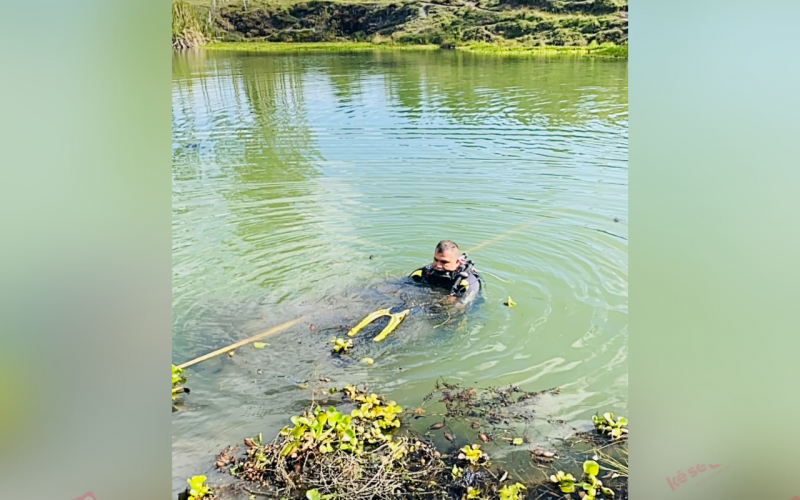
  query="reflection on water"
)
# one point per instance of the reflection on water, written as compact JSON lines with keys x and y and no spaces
{"x":312,"y":183}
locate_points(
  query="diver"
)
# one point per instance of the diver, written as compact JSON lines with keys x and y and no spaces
{"x":452,"y":271}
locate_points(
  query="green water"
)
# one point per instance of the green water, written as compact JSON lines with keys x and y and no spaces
{"x":309,"y":183}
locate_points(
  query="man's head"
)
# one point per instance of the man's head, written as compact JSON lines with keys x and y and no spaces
{"x":446,"y":256}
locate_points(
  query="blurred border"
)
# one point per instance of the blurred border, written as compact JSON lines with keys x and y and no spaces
{"x":85,"y":309}
{"x":86,"y":294}
{"x":714,"y":183}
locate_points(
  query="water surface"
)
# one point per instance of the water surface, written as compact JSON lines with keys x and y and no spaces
{"x":312,"y":183}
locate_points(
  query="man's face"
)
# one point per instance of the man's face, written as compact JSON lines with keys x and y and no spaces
{"x":446,"y":261}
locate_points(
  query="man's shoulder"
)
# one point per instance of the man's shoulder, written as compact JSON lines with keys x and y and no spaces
{"x":417,"y":275}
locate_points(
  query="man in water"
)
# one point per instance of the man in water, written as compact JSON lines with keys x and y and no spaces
{"x":452,"y":271}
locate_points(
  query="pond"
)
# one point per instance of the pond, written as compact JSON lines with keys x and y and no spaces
{"x":311,"y":184}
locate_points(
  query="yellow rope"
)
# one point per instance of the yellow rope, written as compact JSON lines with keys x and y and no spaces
{"x":261,"y":335}
{"x":505,"y":235}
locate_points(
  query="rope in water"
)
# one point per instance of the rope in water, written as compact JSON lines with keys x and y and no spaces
{"x":265,"y":333}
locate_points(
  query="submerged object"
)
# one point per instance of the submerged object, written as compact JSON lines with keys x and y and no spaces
{"x":394,"y":321}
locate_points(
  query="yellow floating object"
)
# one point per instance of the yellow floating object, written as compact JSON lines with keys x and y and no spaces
{"x":510,"y":302}
{"x":369,"y":318}
{"x":394,"y":321}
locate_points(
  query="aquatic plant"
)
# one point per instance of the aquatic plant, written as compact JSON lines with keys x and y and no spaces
{"x":473,"y":493}
{"x":511,"y":492}
{"x":341,"y":346}
{"x":473,"y":454}
{"x":608,"y":426}
{"x":178,"y":378}
{"x":323,"y":431}
{"x":356,"y":456}
{"x":198,"y":489}
{"x":314,"y":494}
{"x":590,"y":484}
{"x":566,"y":482}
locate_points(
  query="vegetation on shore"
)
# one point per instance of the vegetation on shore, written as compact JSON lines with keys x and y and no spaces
{"x":512,"y":27}
{"x":364,"y":449}
{"x":187,"y":28}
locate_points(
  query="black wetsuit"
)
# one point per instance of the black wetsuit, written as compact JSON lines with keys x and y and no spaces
{"x":464,"y":282}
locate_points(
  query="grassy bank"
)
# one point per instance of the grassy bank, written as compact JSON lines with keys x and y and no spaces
{"x":504,"y":49}
{"x":520,"y":26}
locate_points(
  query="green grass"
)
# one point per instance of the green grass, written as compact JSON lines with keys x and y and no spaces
{"x":519,"y":49}
{"x":311,"y":46}
{"x":478,"y":48}
{"x":513,"y":49}
{"x":614,"y":51}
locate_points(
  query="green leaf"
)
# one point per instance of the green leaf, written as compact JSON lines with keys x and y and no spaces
{"x":568,"y":488}
{"x":622,"y":422}
{"x":607,"y":491}
{"x":313,"y":495}
{"x":259,"y":345}
{"x":517,"y":441}
{"x":609,"y":417}
{"x":591,"y":468}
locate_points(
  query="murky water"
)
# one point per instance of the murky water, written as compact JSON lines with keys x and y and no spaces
{"x":310,"y":184}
